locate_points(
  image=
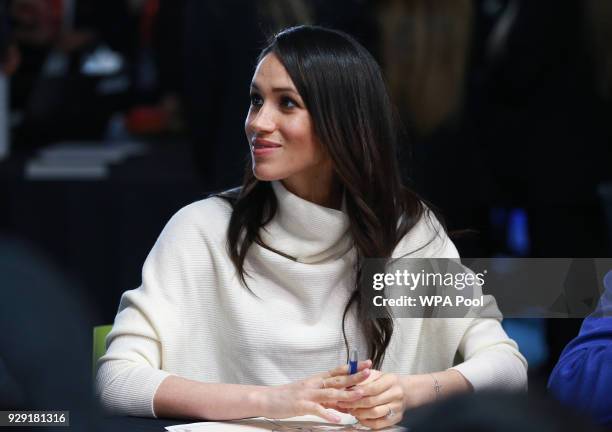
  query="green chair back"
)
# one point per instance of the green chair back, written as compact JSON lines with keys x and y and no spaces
{"x":99,"y":344}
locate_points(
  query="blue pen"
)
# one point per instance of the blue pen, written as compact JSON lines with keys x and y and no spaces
{"x":353,"y":360}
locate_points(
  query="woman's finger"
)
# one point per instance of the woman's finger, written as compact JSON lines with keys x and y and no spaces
{"x":367,"y":402}
{"x":342,"y":381}
{"x":371,"y":413}
{"x":330,"y":405}
{"x":314,"y":408}
{"x":334,"y":395}
{"x":344,"y":369}
{"x":335,"y":407}
{"x":381,"y":423}
{"x":378,"y":385}
{"x":375,"y":411}
{"x":342,"y":410}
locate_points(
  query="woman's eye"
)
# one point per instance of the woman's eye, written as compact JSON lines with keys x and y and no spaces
{"x":256,"y":100}
{"x":287,"y":102}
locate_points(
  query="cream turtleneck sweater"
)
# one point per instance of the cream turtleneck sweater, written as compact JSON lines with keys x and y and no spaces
{"x":191,"y":316}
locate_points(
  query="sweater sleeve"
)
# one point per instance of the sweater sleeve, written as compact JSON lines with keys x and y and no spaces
{"x":491,"y":360}
{"x":131,"y":371}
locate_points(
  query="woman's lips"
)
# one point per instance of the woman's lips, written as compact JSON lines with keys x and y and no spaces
{"x":263,"y":147}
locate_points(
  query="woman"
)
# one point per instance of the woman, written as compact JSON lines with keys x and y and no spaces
{"x":249,"y":300}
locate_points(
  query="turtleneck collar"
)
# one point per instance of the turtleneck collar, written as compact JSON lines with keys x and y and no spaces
{"x":305,"y":231}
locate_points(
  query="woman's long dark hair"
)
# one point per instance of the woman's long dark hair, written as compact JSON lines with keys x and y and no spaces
{"x":344,"y":92}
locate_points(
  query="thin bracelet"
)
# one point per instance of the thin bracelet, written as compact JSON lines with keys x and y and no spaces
{"x":437,"y":386}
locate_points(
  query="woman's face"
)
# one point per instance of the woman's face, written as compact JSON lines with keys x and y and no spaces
{"x":279,"y":129}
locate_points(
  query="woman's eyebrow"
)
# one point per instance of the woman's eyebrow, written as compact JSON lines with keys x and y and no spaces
{"x":276,"y":89}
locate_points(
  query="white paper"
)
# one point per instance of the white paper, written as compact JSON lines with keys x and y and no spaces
{"x":294,"y":424}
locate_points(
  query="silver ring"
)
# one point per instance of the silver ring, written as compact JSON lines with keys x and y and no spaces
{"x":323,"y":380}
{"x":391,"y":413}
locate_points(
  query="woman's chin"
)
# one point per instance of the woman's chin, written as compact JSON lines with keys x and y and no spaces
{"x":264,"y":174}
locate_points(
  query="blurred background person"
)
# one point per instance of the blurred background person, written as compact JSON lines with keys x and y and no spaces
{"x":73,"y":72}
{"x":583,"y":376}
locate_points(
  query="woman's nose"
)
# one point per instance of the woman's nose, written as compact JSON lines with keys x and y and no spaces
{"x":263,"y":121}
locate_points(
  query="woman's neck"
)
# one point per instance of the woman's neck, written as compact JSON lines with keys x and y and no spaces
{"x":323,"y":188}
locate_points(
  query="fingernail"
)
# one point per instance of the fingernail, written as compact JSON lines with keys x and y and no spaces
{"x":366,"y":371}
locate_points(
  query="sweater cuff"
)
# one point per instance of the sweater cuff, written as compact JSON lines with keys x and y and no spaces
{"x":494,"y":370}
{"x":133,"y":391}
{"x":159,"y":379}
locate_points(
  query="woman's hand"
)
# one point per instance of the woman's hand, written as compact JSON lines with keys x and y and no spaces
{"x":386,"y":395}
{"x":314,"y":394}
{"x":383,"y":403}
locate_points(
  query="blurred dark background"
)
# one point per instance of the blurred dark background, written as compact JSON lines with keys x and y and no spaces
{"x":116,"y":113}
